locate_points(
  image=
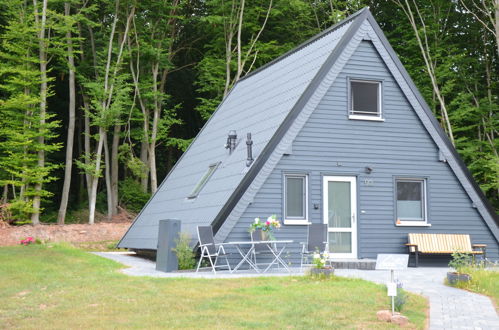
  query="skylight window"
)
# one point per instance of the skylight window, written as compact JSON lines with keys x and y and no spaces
{"x":204,"y":179}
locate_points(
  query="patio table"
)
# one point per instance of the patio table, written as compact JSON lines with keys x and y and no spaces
{"x":271,"y":245}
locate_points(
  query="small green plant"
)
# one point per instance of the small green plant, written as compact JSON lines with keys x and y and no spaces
{"x":185,"y":254}
{"x":319,"y":259}
{"x":400,"y":299}
{"x":20,"y":212}
{"x":459,"y":261}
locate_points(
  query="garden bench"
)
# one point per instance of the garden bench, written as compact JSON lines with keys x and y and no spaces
{"x":443,"y":244}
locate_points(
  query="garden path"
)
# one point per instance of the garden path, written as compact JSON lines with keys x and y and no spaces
{"x":450,"y":308}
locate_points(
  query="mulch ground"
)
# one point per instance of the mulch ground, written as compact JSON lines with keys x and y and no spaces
{"x":72,"y":233}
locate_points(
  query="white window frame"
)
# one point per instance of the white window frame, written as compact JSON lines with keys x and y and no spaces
{"x":201,"y":183}
{"x":408,"y":222}
{"x":295,"y":220}
{"x":356,"y":116}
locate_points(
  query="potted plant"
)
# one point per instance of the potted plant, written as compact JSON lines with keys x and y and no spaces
{"x":320,"y":266}
{"x":267,"y":228}
{"x":458,"y":263}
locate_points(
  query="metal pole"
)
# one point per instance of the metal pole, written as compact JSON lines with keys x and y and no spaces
{"x":393,"y":298}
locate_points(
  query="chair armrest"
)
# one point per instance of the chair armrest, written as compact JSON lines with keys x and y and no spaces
{"x":478,"y":245}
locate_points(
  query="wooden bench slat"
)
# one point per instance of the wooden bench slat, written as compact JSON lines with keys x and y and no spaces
{"x":441,"y":243}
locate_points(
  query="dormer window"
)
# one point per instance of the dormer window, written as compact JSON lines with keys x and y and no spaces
{"x":204,"y":179}
{"x":365,"y":100}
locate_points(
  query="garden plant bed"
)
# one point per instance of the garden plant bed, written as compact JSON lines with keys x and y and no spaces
{"x":82,"y":290}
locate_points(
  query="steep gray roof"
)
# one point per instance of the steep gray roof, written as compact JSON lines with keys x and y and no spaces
{"x":257,"y":104}
{"x":273,"y":103}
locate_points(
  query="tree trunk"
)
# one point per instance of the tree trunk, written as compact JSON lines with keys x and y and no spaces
{"x":154,"y":130}
{"x":107,"y":175}
{"x":42,"y":56}
{"x":95,"y":178}
{"x":144,"y":149}
{"x":86,"y":143}
{"x":115,"y":169}
{"x":71,"y":126}
{"x":5,"y":194}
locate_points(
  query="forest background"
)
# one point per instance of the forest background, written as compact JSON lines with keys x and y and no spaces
{"x":99,"y":98}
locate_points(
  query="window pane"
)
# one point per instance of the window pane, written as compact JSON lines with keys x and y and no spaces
{"x":206,"y":176}
{"x":340,"y":242}
{"x":364,"y":98}
{"x":339,"y":204}
{"x":409,"y":200}
{"x":295,"y":197}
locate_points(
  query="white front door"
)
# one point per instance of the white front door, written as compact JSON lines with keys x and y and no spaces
{"x":340,"y":205}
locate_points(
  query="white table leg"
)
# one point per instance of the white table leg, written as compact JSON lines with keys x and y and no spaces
{"x":245,"y":258}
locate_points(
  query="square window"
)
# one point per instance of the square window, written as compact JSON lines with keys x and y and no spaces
{"x":411,"y":199}
{"x":295,"y":197}
{"x":365,"y":99}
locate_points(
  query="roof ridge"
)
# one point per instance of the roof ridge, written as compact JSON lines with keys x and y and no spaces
{"x":305,"y":43}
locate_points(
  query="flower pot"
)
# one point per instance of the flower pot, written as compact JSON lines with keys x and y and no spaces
{"x":327,"y":272}
{"x":454,"y":277}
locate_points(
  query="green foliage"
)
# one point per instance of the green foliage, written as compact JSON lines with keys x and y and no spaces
{"x":460,"y":261}
{"x":185,"y":254}
{"x":20,"y":211}
{"x":400,"y":300}
{"x":132,"y":196}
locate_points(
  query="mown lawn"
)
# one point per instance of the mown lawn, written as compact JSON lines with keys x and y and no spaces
{"x":60,"y":287}
{"x":483,"y":281}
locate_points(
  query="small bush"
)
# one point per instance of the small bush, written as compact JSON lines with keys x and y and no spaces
{"x":132,"y":196}
{"x":184,"y":252}
{"x":460,"y":261}
{"x":400,"y":300}
{"x":20,"y":212}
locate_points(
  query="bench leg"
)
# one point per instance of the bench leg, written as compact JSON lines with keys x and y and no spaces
{"x":417,"y":258}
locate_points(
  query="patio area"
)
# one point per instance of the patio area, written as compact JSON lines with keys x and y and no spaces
{"x":450,"y":308}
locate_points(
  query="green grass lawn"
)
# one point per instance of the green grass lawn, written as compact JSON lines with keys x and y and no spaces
{"x":60,"y":287}
{"x":483,"y":281}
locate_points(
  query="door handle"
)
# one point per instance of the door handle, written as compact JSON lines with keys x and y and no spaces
{"x":353,"y":217}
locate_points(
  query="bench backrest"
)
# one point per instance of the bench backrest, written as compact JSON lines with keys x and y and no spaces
{"x":441,"y":243}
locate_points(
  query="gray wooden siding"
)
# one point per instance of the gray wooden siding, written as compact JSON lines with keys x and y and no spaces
{"x":331,"y":144}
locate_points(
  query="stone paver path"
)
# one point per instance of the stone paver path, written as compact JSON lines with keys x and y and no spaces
{"x":450,"y":308}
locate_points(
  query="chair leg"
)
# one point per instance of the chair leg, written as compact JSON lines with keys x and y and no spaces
{"x":227,"y":262}
{"x":212,"y":265}
{"x":200,"y":260}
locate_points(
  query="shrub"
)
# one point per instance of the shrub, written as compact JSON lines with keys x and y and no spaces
{"x":460,"y":261}
{"x":184,"y":252}
{"x":20,"y":212}
{"x":132,"y":196}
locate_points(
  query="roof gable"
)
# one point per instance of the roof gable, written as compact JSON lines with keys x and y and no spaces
{"x":257,"y":104}
{"x":365,"y":28}
{"x":273,"y":103}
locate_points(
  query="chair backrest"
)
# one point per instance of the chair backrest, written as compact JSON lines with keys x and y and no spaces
{"x":317,"y":237}
{"x":441,"y":243}
{"x":256,"y":236}
{"x":205,"y":236}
